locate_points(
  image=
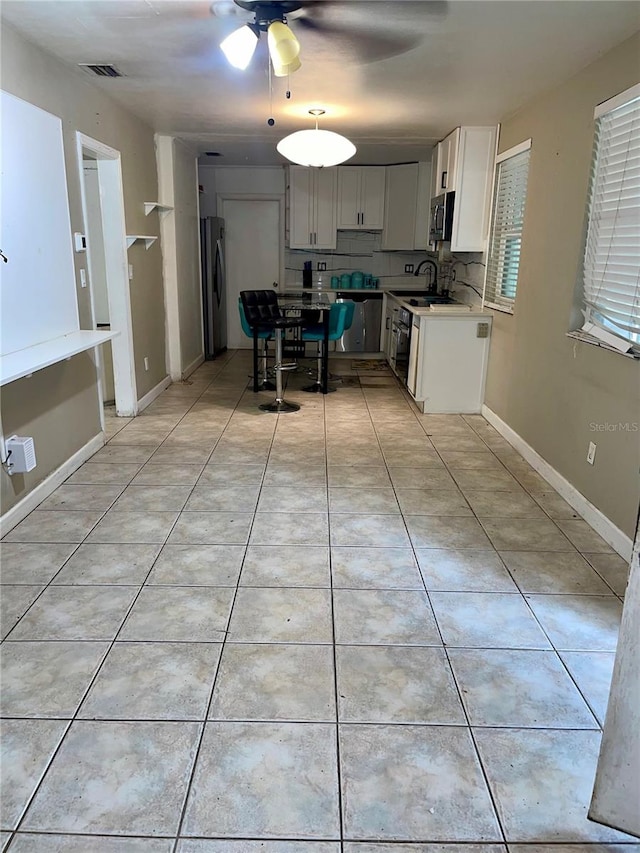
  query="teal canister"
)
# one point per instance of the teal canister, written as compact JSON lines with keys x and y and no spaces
{"x":357,"y":279}
{"x":345,"y":281}
{"x":335,"y":282}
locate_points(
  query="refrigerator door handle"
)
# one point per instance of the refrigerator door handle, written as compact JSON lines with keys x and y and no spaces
{"x":219,"y":265}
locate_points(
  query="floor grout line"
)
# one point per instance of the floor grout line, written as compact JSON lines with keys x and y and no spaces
{"x":337,"y":434}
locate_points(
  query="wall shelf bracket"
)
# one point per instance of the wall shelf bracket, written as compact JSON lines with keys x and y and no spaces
{"x":147,"y":239}
{"x":150,"y":206}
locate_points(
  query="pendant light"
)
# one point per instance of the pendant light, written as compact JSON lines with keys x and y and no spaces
{"x":316,"y":147}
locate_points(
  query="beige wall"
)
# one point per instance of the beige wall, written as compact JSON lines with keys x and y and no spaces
{"x":188,"y":254}
{"x":58,"y":406}
{"x":180,"y":228}
{"x":548,"y":388}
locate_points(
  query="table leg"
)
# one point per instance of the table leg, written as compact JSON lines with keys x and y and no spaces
{"x":325,"y":352}
{"x":255,"y":361}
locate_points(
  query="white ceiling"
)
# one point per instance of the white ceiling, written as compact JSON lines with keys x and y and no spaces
{"x":473,"y":63}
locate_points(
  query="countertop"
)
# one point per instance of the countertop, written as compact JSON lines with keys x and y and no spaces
{"x":456,"y":309}
{"x":289,"y":289}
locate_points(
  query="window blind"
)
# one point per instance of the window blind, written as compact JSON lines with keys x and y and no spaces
{"x":611,"y":270}
{"x":510,"y":193}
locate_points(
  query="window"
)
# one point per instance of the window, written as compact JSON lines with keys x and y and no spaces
{"x":509,"y":196}
{"x":611,"y":266}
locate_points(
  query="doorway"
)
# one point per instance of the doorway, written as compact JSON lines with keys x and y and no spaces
{"x":107,"y":272}
{"x":254,"y":251}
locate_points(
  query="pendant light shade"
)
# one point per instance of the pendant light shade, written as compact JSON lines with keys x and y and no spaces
{"x":316,"y":147}
{"x":285,"y":70}
{"x":240,"y":46}
{"x":284,"y":47}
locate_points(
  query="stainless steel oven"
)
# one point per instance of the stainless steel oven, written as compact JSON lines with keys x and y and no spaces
{"x":400,"y":339}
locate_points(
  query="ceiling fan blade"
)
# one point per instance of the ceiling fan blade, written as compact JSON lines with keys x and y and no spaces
{"x":360,"y":28}
{"x":365,"y":45}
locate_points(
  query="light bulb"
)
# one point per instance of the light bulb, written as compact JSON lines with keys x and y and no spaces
{"x":240,"y":46}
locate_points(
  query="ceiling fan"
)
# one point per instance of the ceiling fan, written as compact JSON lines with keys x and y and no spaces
{"x":269,"y":17}
{"x":365,"y":30}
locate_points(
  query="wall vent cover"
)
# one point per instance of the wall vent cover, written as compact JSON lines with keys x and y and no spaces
{"x":101,"y":70}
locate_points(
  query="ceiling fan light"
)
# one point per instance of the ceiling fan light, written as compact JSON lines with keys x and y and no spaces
{"x":240,"y":46}
{"x":284,"y":47}
{"x":285,"y":70}
{"x":316,"y":148}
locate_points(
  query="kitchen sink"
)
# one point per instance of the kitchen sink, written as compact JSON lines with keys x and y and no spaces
{"x":420,"y":299}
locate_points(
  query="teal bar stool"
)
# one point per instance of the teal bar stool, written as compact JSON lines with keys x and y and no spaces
{"x":263,"y":384}
{"x":337,"y":325}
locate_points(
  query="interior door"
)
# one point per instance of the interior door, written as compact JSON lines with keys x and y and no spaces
{"x":253,"y":238}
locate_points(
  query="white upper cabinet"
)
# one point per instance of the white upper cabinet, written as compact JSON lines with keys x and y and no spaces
{"x":312,"y":207}
{"x":361,"y":197}
{"x":400,"y":204}
{"x":446,"y":163}
{"x":473,"y":186}
{"x":324,"y":232}
{"x":423,"y":207}
{"x":464,"y":165}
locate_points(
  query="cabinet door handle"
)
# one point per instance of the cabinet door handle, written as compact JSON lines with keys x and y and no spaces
{"x":387,"y":323}
{"x":443,"y":182}
{"x":310,"y":238}
{"x":362,"y":218}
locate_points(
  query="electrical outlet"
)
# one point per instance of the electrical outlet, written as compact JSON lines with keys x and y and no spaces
{"x":408,"y":267}
{"x":322,"y":266}
{"x":83,"y":278}
{"x":591,"y":453}
{"x":146,"y":362}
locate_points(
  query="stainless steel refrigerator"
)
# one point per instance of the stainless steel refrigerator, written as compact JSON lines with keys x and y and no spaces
{"x":214,"y":299}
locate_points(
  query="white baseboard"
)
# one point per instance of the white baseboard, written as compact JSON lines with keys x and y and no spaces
{"x":615,"y":537}
{"x":29,"y":502}
{"x":155,"y":392}
{"x":195,"y":364}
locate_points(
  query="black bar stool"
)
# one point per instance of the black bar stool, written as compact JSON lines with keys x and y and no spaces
{"x":263,"y":314}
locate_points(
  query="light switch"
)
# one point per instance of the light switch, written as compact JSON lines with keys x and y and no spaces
{"x":483,"y":330}
{"x":83,"y":278}
{"x":130,"y":272}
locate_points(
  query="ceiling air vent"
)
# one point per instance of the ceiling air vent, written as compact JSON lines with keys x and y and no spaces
{"x":101,"y":70}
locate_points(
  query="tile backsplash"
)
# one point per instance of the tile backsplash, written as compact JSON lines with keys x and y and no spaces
{"x":356,"y":250}
{"x":461,"y":274}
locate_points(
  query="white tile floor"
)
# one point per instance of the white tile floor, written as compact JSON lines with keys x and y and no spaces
{"x":346,"y":629}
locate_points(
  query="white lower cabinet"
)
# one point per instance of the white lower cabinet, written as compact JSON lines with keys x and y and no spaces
{"x":387,"y":318}
{"x":414,"y":350}
{"x":449,"y":356}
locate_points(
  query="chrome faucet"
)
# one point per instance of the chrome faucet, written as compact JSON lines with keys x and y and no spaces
{"x":433,"y":284}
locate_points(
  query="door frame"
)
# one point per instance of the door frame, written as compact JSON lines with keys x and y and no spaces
{"x":109,"y":168}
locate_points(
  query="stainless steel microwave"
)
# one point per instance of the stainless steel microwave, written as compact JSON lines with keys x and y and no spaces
{"x":441,"y":220}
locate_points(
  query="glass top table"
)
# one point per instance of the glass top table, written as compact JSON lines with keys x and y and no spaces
{"x":305,"y":300}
